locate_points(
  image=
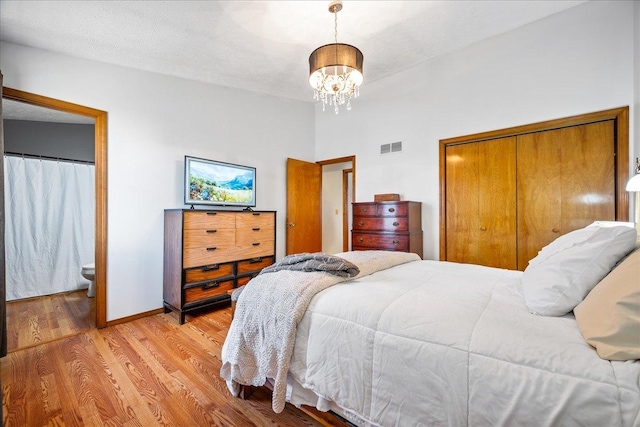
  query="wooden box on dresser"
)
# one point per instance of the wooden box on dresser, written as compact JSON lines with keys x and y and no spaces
{"x":391,"y":226}
{"x":209,"y":252}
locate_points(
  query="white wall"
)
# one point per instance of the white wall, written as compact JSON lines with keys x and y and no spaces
{"x":578,"y":61}
{"x":153,"y":122}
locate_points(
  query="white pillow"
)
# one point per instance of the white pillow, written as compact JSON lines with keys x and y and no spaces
{"x":566,"y":270}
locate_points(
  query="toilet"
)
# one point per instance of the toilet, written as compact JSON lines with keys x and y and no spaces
{"x":89,"y":273}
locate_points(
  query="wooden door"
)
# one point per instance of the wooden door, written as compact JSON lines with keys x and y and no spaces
{"x":566,"y":180}
{"x":480,"y":208}
{"x":496,"y":203}
{"x":304,"y":207}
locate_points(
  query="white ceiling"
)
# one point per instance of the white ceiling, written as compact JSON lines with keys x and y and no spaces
{"x":261,"y":46}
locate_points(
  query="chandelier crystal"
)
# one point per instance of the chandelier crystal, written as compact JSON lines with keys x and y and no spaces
{"x":335,"y":70}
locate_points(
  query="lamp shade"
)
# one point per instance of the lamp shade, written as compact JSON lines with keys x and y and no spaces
{"x":634,"y":183}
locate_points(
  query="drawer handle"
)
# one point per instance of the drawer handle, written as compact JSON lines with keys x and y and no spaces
{"x":363,"y":209}
{"x":360,"y":239}
{"x":555,"y":230}
{"x":360,"y":223}
{"x":212,"y":231}
{"x":256,"y":229}
{"x":396,"y":223}
{"x":396,"y":242}
{"x":211,"y":267}
{"x":392,"y":210}
{"x":212,"y":248}
{"x":255,"y":260}
{"x":212,"y":213}
{"x":210,"y":285}
{"x":483,"y":228}
{"x":256,"y":214}
{"x":256,"y":244}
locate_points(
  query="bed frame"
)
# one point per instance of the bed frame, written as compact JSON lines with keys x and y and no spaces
{"x":327,"y":419}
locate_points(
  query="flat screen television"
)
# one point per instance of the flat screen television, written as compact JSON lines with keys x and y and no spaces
{"x":210,"y":182}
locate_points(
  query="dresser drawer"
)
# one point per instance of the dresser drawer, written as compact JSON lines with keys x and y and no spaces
{"x":214,"y":254}
{"x":246,"y":238}
{"x":364,"y":209}
{"x":381,"y":224}
{"x":254,"y":264}
{"x":208,"y":272}
{"x":241,"y":281}
{"x":387,"y":242}
{"x":207,"y":290}
{"x":255,"y":219}
{"x":210,"y":237}
{"x":392,"y":209}
{"x":206,"y":219}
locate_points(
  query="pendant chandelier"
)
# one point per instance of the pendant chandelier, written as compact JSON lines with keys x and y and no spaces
{"x":335,"y":70}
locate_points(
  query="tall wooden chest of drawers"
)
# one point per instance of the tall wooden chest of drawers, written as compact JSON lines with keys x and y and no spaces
{"x":209,"y":252}
{"x":390,"y":226}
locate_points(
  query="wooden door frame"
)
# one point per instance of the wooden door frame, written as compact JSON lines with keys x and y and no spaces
{"x":100,"y":118}
{"x":345,"y":207}
{"x":352,"y":159}
{"x":619,"y":115}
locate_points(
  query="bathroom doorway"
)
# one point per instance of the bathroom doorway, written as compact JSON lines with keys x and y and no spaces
{"x":68,"y":312}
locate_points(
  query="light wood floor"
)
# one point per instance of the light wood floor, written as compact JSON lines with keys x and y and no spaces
{"x":146,"y":372}
{"x":35,"y":321}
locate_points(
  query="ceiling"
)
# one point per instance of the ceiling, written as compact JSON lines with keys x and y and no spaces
{"x":261,"y":46}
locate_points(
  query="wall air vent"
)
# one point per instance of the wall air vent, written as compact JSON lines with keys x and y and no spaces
{"x":394,"y":147}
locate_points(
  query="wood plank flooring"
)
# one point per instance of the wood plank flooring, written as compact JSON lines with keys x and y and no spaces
{"x":35,"y":321}
{"x":147,"y":372}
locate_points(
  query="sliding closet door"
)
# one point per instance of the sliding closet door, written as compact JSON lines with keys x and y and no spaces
{"x":566,"y":180}
{"x":480,"y":203}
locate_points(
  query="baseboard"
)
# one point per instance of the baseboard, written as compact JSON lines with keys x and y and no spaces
{"x":135,"y":316}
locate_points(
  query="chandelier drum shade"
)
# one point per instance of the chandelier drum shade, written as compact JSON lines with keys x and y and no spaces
{"x":335,"y":70}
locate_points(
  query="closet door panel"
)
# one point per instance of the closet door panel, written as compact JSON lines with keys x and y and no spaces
{"x":588,"y":175}
{"x":497,"y":208}
{"x":566,"y":180}
{"x":539,"y":193}
{"x":462,"y":222}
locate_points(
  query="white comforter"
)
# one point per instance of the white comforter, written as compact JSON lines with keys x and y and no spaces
{"x":435,"y":343}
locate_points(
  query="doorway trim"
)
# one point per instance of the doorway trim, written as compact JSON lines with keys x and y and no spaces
{"x":100,"y":144}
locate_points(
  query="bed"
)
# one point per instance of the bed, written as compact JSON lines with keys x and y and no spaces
{"x":418,"y":342}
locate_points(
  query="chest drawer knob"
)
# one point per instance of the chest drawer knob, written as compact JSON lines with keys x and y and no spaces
{"x":392,"y":210}
{"x":396,"y":223}
{"x":256,"y":228}
{"x":210,"y":285}
{"x":363,"y":210}
{"x":212,"y":231}
{"x":360,"y":223}
{"x":360,"y":239}
{"x":555,"y":230}
{"x":256,"y":244}
{"x":396,"y":242}
{"x":212,"y":248}
{"x":483,"y":228}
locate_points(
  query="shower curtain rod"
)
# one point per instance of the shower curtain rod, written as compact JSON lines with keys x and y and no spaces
{"x":60,"y":159}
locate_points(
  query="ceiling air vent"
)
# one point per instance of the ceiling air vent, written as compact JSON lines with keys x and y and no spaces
{"x":394,"y":147}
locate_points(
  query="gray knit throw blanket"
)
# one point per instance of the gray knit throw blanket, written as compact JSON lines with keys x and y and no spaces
{"x":317,"y":261}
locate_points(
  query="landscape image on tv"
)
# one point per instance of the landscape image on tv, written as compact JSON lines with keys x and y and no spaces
{"x":220,"y":183}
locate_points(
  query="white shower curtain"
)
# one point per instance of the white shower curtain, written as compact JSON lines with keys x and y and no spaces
{"x":50,"y":225}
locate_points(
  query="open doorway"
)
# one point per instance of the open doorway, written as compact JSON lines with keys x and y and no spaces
{"x":308,"y":214}
{"x":67,"y":302}
{"x":337,"y":195}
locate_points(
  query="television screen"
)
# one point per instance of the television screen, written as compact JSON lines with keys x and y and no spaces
{"x":209,"y":182}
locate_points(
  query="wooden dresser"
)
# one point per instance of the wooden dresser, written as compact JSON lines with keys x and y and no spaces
{"x":391,"y":226}
{"x":209,"y":252}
